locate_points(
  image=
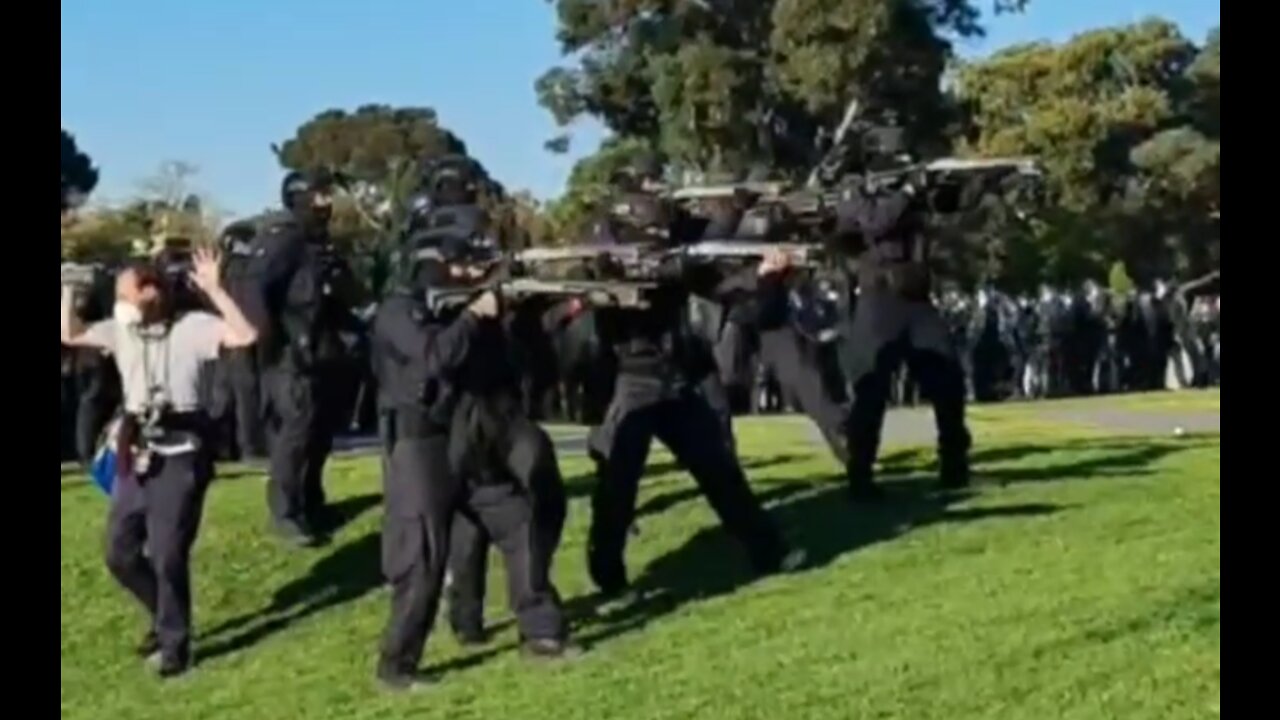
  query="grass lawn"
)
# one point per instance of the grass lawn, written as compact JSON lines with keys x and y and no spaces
{"x":1080,"y":579}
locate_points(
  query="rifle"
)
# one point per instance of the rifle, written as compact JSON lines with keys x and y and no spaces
{"x":802,"y":254}
{"x":629,"y":254}
{"x":616,"y":293}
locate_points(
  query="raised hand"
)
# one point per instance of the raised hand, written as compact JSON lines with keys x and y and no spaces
{"x":207,"y":273}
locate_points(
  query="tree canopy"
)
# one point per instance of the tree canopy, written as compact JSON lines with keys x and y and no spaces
{"x":79,"y":176}
{"x":726,"y":86}
{"x":166,"y":206}
{"x":1125,"y":121}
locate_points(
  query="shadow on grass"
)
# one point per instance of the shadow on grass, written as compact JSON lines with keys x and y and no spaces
{"x":815,"y":513}
{"x":583,"y":484}
{"x":826,"y":526}
{"x":1105,"y":457}
{"x":348,"y":510}
{"x":345,"y":575}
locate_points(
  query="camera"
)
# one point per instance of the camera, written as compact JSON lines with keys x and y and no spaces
{"x":80,"y":275}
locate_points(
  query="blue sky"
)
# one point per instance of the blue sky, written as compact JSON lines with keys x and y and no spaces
{"x":215,"y":82}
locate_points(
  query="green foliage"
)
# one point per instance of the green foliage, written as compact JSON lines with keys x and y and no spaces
{"x":728,"y":85}
{"x":166,"y":206}
{"x":706,"y":95}
{"x":79,"y":176}
{"x":370,"y":144}
{"x":1122,"y":120}
{"x":589,"y":185}
{"x":107,"y":235}
{"x":381,"y":150}
{"x":1119,"y":280}
{"x":1082,"y":581}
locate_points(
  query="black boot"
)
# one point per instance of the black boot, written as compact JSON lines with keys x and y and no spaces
{"x":470,"y":635}
{"x":953,"y":461}
{"x":862,"y":484}
{"x":174,"y":665}
{"x":550,"y":649}
{"x":955,"y":475}
{"x":401,"y":680}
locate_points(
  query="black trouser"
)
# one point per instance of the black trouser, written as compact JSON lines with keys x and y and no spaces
{"x":242,"y":388}
{"x":528,"y":458}
{"x":886,"y":331}
{"x":98,"y":400}
{"x":302,"y":408}
{"x":161,"y":514}
{"x":423,"y":496}
{"x":692,"y":432}
{"x":713,"y":389}
{"x":802,"y":378}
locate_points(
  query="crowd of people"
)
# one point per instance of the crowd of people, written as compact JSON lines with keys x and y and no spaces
{"x":1061,"y":343}
{"x":269,"y":357}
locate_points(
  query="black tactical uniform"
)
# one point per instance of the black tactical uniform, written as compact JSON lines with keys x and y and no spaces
{"x":302,"y":289}
{"x":455,"y":447}
{"x":238,"y":393}
{"x":896,"y":321}
{"x":660,"y":368}
{"x":94,"y":376}
{"x":796,"y":361}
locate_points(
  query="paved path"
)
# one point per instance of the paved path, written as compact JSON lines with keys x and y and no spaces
{"x":915,"y":426}
{"x":1141,"y":422}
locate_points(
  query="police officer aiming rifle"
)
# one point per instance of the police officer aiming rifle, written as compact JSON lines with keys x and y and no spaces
{"x":883,"y":226}
{"x":661,"y":368}
{"x":462,"y":466}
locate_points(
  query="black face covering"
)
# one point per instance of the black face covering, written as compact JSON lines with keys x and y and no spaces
{"x":312,"y":218}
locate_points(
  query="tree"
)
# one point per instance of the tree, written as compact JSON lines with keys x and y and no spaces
{"x":588,"y":188}
{"x":174,"y":208}
{"x":1114,"y":116}
{"x":380,"y":150}
{"x":732,"y":85}
{"x":167,"y":206}
{"x":106,"y":235}
{"x":79,"y":176}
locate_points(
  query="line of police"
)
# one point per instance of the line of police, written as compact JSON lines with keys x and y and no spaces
{"x":465,"y":465}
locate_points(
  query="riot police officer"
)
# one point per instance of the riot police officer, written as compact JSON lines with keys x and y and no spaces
{"x":661,"y":366}
{"x":447,"y":219}
{"x":458,"y":454}
{"x":303,"y":289}
{"x":792,"y":335}
{"x":895,"y":321}
{"x":238,"y":395}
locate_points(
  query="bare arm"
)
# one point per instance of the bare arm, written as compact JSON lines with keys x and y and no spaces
{"x":237,"y":331}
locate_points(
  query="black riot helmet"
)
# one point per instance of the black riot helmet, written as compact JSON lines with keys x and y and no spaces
{"x":451,"y":180}
{"x":237,"y":235}
{"x":307,"y":196}
{"x":432,"y":259}
{"x":298,"y":186}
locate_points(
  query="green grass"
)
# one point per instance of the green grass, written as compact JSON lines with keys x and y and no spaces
{"x":1081,"y":579}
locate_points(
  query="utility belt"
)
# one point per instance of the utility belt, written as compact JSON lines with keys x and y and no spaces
{"x":408,"y":423}
{"x":140,"y":438}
